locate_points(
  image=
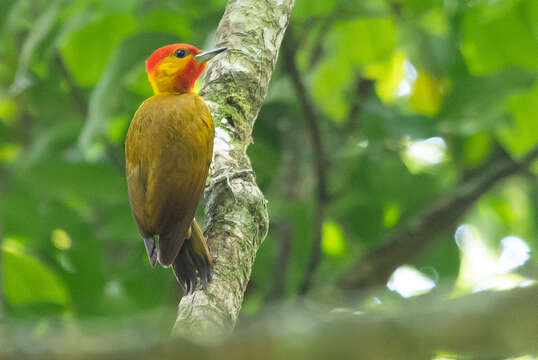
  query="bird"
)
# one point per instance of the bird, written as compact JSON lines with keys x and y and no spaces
{"x":168,"y":151}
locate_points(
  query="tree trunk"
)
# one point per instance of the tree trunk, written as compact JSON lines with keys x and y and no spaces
{"x":237,"y":221}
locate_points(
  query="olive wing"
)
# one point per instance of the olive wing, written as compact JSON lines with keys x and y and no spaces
{"x":168,"y":151}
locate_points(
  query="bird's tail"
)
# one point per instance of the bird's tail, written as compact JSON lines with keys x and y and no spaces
{"x":193,"y":263}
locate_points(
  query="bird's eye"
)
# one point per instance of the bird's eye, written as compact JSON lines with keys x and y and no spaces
{"x":180,"y":53}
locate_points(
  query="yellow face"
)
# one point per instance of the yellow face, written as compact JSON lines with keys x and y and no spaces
{"x":174,"y":68}
{"x":171,"y":68}
{"x":163,"y":79}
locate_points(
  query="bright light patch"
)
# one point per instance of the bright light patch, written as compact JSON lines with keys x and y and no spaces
{"x":424,"y":153}
{"x":500,"y":283}
{"x":515,"y":252}
{"x":60,"y":239}
{"x":405,"y":86}
{"x":477,"y":261}
{"x":363,"y":144}
{"x":409,"y":71}
{"x":430,"y":151}
{"x":408,"y":281}
{"x":94,"y":152}
{"x":66,"y":263}
{"x":527,"y":283}
{"x":481,"y":269}
{"x":113,"y":288}
{"x":13,"y":245}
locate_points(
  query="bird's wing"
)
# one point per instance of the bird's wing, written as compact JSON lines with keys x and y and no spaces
{"x":168,"y":151}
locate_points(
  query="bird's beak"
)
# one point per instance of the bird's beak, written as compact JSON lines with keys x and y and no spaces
{"x":205,"y":56}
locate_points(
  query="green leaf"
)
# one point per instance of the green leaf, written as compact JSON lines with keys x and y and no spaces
{"x":442,"y":256}
{"x":391,"y":214}
{"x":329,"y":83}
{"x":417,"y":7}
{"x":333,"y":240}
{"x":27,"y":280}
{"x":305,"y":9}
{"x":131,"y":52}
{"x":5,"y":7}
{"x":435,"y":22}
{"x":88,"y":49}
{"x":477,"y":147}
{"x":117,"y":128}
{"x":499,"y":34}
{"x":169,"y":21}
{"x":37,"y":34}
{"x":522,"y":134}
{"x":137,"y":82}
{"x":388,"y":75}
{"x":9,"y":152}
{"x":125,"y":6}
{"x":61,"y":239}
{"x":427,"y":96}
{"x":334,"y":78}
{"x":478,"y":103}
{"x":376,"y":36}
{"x":8,"y":110}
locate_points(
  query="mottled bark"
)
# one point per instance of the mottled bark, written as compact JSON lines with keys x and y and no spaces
{"x":237,"y":222}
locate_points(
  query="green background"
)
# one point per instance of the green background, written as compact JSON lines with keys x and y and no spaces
{"x":413,"y":97}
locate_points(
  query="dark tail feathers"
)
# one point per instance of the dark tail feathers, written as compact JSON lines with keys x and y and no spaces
{"x":193,"y":263}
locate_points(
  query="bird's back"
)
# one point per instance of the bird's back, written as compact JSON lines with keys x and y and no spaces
{"x":168,"y":151}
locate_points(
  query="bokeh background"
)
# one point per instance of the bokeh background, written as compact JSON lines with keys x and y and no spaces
{"x":377,"y":111}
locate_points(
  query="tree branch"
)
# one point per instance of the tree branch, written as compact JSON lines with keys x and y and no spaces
{"x":284,"y":231}
{"x":317,"y":49}
{"x":1,"y":268}
{"x":322,"y":194}
{"x":374,"y":268}
{"x":237,"y":222}
{"x":487,"y":325}
{"x":289,"y":183}
{"x":362,"y":89}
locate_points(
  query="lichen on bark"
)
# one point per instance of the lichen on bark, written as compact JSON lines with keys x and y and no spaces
{"x":235,"y":86}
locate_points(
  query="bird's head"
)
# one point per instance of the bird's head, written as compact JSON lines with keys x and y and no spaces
{"x":174,"y":68}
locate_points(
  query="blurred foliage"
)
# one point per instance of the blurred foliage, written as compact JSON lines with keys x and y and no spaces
{"x":454,"y":84}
